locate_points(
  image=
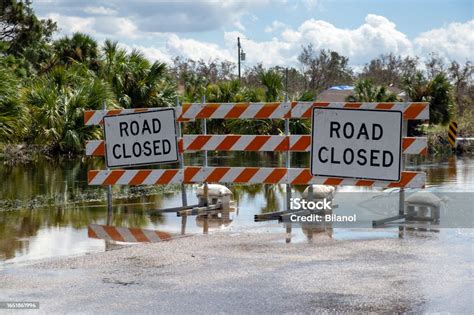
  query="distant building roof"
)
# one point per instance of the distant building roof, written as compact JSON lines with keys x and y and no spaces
{"x":341,"y":87}
{"x":335,"y":95}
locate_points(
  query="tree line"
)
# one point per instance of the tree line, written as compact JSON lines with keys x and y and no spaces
{"x":46,"y":83}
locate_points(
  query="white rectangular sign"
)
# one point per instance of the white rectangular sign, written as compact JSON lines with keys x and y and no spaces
{"x":356,"y":143}
{"x":141,"y":138}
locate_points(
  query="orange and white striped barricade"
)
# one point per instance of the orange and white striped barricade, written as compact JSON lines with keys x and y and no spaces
{"x":293,"y":143}
{"x":129,"y":235}
{"x":253,"y":175}
{"x":278,"y":143}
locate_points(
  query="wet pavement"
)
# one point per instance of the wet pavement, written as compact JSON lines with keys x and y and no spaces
{"x":254,"y":272}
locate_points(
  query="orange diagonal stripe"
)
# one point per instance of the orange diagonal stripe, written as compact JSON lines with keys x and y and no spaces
{"x":246,"y":175}
{"x":333,"y":181}
{"x":363,"y":182}
{"x":189,"y":173}
{"x":180,"y":145}
{"x":266,"y":110}
{"x":303,"y":178}
{"x":100,"y":150}
{"x":275,"y":176}
{"x":413,"y":110}
{"x":139,"y":177}
{"x":88,"y":115}
{"x":217,"y":174}
{"x":207,"y":111}
{"x":284,"y":145}
{"x":114,"y":112}
{"x":407,"y":142}
{"x":139,"y":235}
{"x":198,"y":143}
{"x":352,"y":105}
{"x":113,"y":177}
{"x":384,"y":105}
{"x":257,"y":143}
{"x":227,"y":143}
{"x":302,"y":144}
{"x":113,"y":233}
{"x":236,"y":110}
{"x":91,"y":233}
{"x":91,"y":175}
{"x":321,"y":104}
{"x":166,"y":177}
{"x":406,"y":178}
{"x":163,"y":235}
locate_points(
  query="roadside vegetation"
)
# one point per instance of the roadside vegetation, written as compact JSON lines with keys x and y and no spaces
{"x":46,"y":84}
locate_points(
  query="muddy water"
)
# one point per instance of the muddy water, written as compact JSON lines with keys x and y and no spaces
{"x":45,"y":208}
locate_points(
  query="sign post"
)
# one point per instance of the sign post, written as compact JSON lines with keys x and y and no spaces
{"x":356,"y":143}
{"x":141,"y":138}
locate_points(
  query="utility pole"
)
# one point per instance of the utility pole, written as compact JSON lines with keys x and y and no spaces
{"x":238,"y":54}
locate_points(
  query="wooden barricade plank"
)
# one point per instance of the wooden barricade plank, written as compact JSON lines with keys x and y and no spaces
{"x":293,"y":143}
{"x":265,"y":175}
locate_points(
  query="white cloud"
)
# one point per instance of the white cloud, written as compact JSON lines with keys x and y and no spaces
{"x":238,"y":24}
{"x":71,"y":24}
{"x":151,"y":53}
{"x":276,"y":25}
{"x":100,"y":10}
{"x":274,"y":52}
{"x":116,"y":26}
{"x":454,"y":41}
{"x":190,"y":48}
{"x":376,"y":35}
{"x":160,"y":16}
{"x":101,"y":26}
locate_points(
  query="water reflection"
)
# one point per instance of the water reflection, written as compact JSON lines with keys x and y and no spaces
{"x":51,"y":200}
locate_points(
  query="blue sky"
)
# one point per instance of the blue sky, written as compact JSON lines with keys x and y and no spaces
{"x":273,"y":31}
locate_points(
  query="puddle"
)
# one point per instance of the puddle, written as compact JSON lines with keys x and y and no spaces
{"x":56,"y":224}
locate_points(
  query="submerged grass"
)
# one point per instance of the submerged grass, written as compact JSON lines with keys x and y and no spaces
{"x":87,"y":195}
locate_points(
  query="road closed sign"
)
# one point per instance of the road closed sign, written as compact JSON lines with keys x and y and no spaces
{"x":356,"y":143}
{"x":141,"y":138}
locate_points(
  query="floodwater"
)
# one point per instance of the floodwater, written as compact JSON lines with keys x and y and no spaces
{"x":45,"y":207}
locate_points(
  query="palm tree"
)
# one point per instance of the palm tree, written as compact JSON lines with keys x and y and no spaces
{"x":79,"y":48}
{"x":13,"y":116}
{"x":438,"y":92}
{"x":273,"y":83}
{"x":57,"y":102}
{"x":366,"y":91}
{"x":135,"y":81}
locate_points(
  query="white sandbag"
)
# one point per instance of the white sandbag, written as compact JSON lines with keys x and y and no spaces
{"x":424,"y":198}
{"x":214,"y":190}
{"x":320,"y":192}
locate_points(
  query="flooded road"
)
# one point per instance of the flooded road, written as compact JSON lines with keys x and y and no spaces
{"x":45,"y":208}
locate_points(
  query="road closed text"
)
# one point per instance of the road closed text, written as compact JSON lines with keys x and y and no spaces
{"x":356,"y":143}
{"x":139,"y":148}
{"x":349,"y":156}
{"x":141,"y":138}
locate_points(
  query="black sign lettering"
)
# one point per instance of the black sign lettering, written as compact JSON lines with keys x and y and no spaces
{"x":319,"y":154}
{"x":348,"y":156}
{"x":334,"y":128}
{"x":376,"y":127}
{"x":348,"y":130}
{"x":385,"y":162}
{"x":123,"y":128}
{"x":374,"y":157}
